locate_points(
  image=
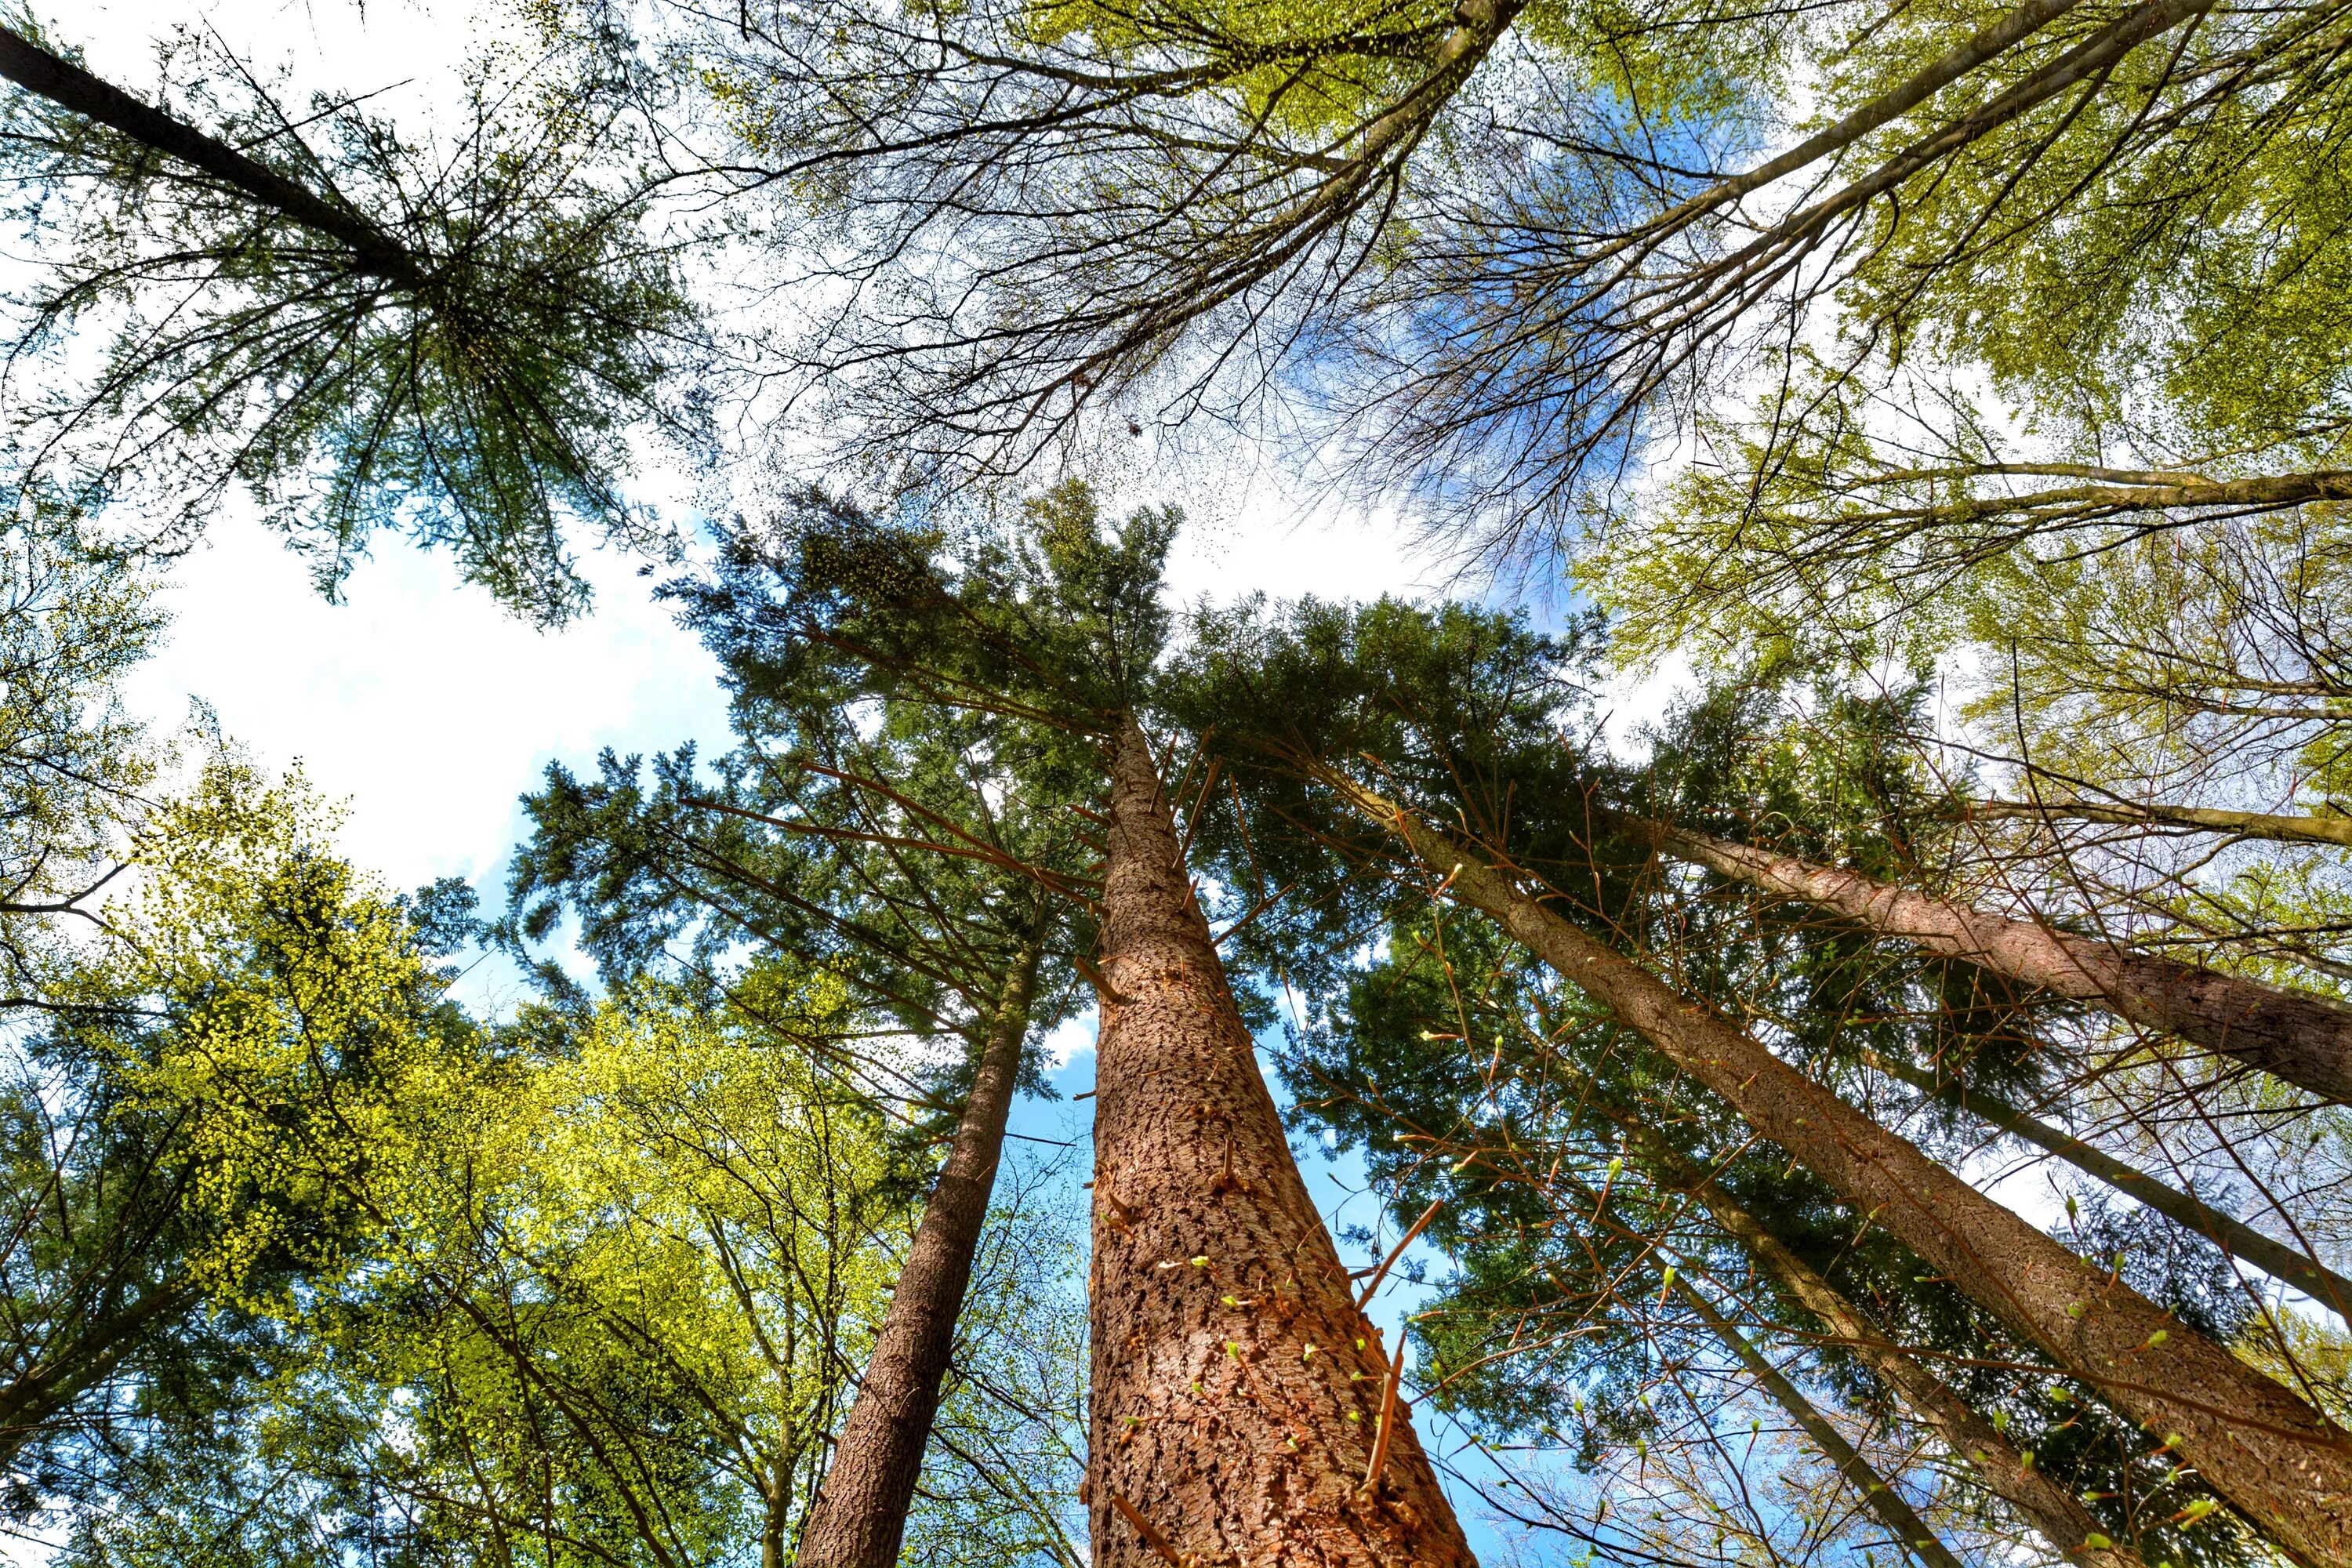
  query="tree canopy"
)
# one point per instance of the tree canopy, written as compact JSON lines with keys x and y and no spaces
{"x":1887,"y":1101}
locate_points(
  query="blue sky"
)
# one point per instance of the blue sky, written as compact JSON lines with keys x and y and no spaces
{"x":427,"y":710}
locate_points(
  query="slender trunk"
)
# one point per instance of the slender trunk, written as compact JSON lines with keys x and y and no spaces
{"x":1237,"y":1391}
{"x":2296,"y":829}
{"x":69,"y":86}
{"x":2273,"y":1258}
{"x":2303,"y":1038}
{"x":772,"y":1527}
{"x":1910,"y":1531}
{"x":2283,"y":1465}
{"x":859,"y":1515}
{"x":2045,"y":1504}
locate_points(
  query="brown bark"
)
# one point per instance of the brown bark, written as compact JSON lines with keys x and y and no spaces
{"x":859,"y":1514}
{"x":1882,"y":1500}
{"x":2303,"y":1038}
{"x":2045,"y":1504}
{"x":1237,"y":1390}
{"x":2281,"y":1462}
{"x":2273,"y":1258}
{"x":2305,"y":829}
{"x":69,"y":86}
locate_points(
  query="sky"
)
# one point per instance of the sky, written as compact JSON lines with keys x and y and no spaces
{"x":427,"y":710}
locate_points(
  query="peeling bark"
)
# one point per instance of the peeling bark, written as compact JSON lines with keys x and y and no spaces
{"x":859,"y":1515}
{"x":2279,"y":1461}
{"x":1237,"y":1390}
{"x":2303,"y":1038}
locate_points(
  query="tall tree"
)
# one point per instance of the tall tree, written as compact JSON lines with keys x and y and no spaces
{"x":2303,"y":1038}
{"x":1501,"y":244}
{"x":2142,"y":1358}
{"x":213,"y":1070}
{"x":1212,"y":1270}
{"x":930,"y":855}
{"x":1552,"y":1163}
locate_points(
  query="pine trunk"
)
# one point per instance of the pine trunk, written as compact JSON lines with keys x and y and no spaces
{"x":70,"y":87}
{"x":2296,"y":829}
{"x":2234,"y":1236}
{"x":2281,"y":1462}
{"x":859,"y":1515}
{"x":2303,"y":1038}
{"x":1237,"y":1397}
{"x":2045,"y":1504}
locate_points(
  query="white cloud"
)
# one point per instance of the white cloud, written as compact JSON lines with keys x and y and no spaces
{"x":420,"y":701}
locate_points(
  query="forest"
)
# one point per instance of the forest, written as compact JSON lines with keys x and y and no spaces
{"x":1821,"y":952}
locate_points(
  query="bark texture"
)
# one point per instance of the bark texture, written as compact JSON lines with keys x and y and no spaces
{"x":2281,"y":1462}
{"x":859,"y":1514}
{"x":69,"y":86}
{"x":2273,"y":1258}
{"x":2045,"y":1504}
{"x":1237,"y":1390}
{"x":2303,"y":1038}
{"x":1884,"y":1501}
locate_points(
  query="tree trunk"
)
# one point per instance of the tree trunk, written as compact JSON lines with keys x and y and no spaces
{"x":2295,"y":829}
{"x":859,"y":1515}
{"x":69,"y":86}
{"x":1911,"y":1531}
{"x":2303,"y":1038}
{"x":2273,"y":1258}
{"x":1237,"y":1391}
{"x":46,"y":1390}
{"x":2282,"y":1463}
{"x":2045,"y":1504}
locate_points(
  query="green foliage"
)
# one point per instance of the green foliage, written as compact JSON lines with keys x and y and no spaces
{"x":611,"y":1298}
{"x":73,"y":763}
{"x":478,"y":395}
{"x":218,"y":1067}
{"x":1462,"y":1071}
{"x":627,"y":1262}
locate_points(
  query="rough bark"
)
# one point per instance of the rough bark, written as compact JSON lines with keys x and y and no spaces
{"x":2045,"y":1504}
{"x":1237,"y":1389}
{"x":69,"y":86}
{"x":2281,"y":1462}
{"x":2303,"y":1038}
{"x":859,"y":1514}
{"x":2273,"y":1258}
{"x":1882,"y":1500}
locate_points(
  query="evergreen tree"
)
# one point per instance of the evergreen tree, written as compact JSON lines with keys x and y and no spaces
{"x":363,"y":333}
{"x":1200,"y":1215}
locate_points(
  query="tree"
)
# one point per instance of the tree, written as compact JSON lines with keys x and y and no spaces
{"x":631,"y":1255}
{"x":2085,"y":1317}
{"x":1502,"y":247}
{"x":1554,"y":1169}
{"x":214,"y":1065}
{"x":1059,"y":626}
{"x":930,"y":855}
{"x":74,"y":766}
{"x":2303,"y":1038}
{"x":363,"y":332}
